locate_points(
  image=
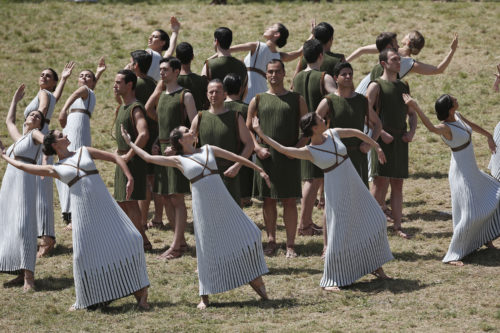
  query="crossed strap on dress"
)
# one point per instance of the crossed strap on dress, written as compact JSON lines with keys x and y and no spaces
{"x":205,"y":166}
{"x":85,"y":111}
{"x":465,"y":145}
{"x":78,"y":169}
{"x":337,"y":155}
{"x":253,"y":68}
{"x":24,"y":158}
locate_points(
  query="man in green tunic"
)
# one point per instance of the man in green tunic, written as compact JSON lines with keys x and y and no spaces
{"x":224,"y":128}
{"x":312,"y":84}
{"x":131,"y":115}
{"x":232,"y":86}
{"x":224,"y":63}
{"x":279,"y":111}
{"x":172,"y":107}
{"x":196,"y":84}
{"x":385,"y":95}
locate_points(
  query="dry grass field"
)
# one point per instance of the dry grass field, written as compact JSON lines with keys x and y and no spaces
{"x":425,"y":295}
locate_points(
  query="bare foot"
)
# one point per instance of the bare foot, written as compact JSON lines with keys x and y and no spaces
{"x":330,"y":289}
{"x":170,"y":254}
{"x":72,"y":308}
{"x":388,"y":214}
{"x":490,"y":245}
{"x":456,"y":263}
{"x":259,"y":287}
{"x":323,"y":253}
{"x":400,"y":233}
{"x":290,"y":253}
{"x":142,"y":298}
{"x":203,"y":303}
{"x":69,"y":227}
{"x":270,"y":249}
{"x":17,"y":281}
{"x":46,"y":245}
{"x":380,"y":274}
{"x":29,"y":283}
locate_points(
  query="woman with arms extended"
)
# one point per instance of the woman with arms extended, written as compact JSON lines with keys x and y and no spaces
{"x":356,"y":226}
{"x":475,"y":196}
{"x":75,"y":121}
{"x":108,"y":257}
{"x":18,"y":198}
{"x":49,"y":93}
{"x":228,"y":243}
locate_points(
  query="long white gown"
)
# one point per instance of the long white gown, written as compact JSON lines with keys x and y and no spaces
{"x":257,"y":83}
{"x":494,"y":165}
{"x":356,"y":226}
{"x":44,"y":187}
{"x":18,"y":210}
{"x":228,"y":243}
{"x":108,"y":255}
{"x":78,"y":131}
{"x":475,"y":196}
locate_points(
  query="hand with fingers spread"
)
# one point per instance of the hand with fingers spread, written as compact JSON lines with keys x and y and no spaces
{"x":68,"y":69}
{"x":175,"y":25}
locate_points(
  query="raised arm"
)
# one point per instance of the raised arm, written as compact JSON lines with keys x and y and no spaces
{"x":101,"y":68}
{"x":152,"y":102}
{"x":439,"y":129}
{"x":478,"y":129}
{"x":10,"y":121}
{"x":37,"y":170}
{"x":367,"y":49}
{"x":426,"y":69}
{"x":289,"y":56}
{"x":175,"y":25}
{"x":64,"y":77}
{"x":83,"y":93}
{"x":250,"y":46}
{"x":352,"y":132}
{"x":300,"y":153}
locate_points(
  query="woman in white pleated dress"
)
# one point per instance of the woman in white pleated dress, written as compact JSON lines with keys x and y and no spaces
{"x":108,"y":256}
{"x":228,"y":244}
{"x":75,"y":121}
{"x":356,"y":226}
{"x":18,"y":226}
{"x":475,"y":196}
{"x":51,"y":89}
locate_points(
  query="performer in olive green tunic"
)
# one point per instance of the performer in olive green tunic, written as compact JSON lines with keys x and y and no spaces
{"x":195,"y":83}
{"x":224,"y":63}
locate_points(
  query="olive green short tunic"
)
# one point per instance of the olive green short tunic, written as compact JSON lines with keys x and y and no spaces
{"x":330,"y":59}
{"x":143,"y":90}
{"x":219,"y":67}
{"x":393,"y":113}
{"x":197,"y":85}
{"x":279,"y":119}
{"x":137,"y":166}
{"x":350,"y":113}
{"x":221,"y":130}
{"x":171,"y":114}
{"x":245,"y":174}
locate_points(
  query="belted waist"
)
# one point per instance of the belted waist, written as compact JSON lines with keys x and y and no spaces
{"x":87,"y":173}
{"x":80,"y":111}
{"x":25,"y":159}
{"x":201,"y":175}
{"x":335,"y":165}
{"x":256,"y":70}
{"x":461,"y":147}
{"x":392,"y":130}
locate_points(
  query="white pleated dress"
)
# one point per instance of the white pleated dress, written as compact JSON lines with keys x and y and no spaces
{"x":44,"y":187}
{"x":475,"y":196}
{"x":228,"y":243}
{"x":154,"y":69}
{"x":108,"y":255}
{"x":356,"y":226}
{"x":257,"y":83}
{"x":494,"y":165}
{"x":78,"y":131}
{"x":18,"y":228}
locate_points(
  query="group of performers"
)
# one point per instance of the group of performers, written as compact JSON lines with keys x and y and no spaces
{"x":233,"y":133}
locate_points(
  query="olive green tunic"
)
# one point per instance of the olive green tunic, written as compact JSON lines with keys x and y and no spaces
{"x":310,"y":84}
{"x":143,"y":90}
{"x":393,"y":113}
{"x":350,"y":113}
{"x":171,"y":114}
{"x":245,"y":174}
{"x":219,"y":67}
{"x":137,"y":166}
{"x":330,"y":59}
{"x":221,"y":130}
{"x":377,"y":72}
{"x":279,"y":119}
{"x":197,"y":85}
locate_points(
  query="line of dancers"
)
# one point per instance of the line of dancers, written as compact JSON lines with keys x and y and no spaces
{"x":172,"y":141}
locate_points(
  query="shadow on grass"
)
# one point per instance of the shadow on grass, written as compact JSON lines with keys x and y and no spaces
{"x":430,"y":215}
{"x":415,"y":203}
{"x":412,"y":231}
{"x":443,"y":234}
{"x":396,"y":286}
{"x":412,"y":256}
{"x":293,"y":270}
{"x":53,"y":284}
{"x":310,"y":249}
{"x":484,"y":257}
{"x":276,"y":303}
{"x":132,"y":306}
{"x":428,"y":175}
{"x":60,"y":249}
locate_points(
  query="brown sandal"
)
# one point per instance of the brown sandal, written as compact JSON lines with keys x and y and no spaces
{"x":155,"y":225}
{"x":270,"y":249}
{"x":310,"y":230}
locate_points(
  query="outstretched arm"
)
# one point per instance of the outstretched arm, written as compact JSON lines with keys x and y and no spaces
{"x":175,"y":25}
{"x":11,"y":116}
{"x":352,"y":132}
{"x":300,"y":153}
{"x":37,"y":170}
{"x":250,"y":46}
{"x":478,"y":129}
{"x":367,"y":49}
{"x":82,"y":93}
{"x":64,"y":77}
{"x":289,"y":56}
{"x":440,"y":129}
{"x":426,"y":69}
{"x":101,"y":67}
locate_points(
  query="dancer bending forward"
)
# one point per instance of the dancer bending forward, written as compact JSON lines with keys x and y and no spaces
{"x":228,"y":243}
{"x":475,"y":196}
{"x":108,"y":257}
{"x":357,"y":236}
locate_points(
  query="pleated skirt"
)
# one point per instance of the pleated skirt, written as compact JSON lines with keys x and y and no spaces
{"x":45,"y":202}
